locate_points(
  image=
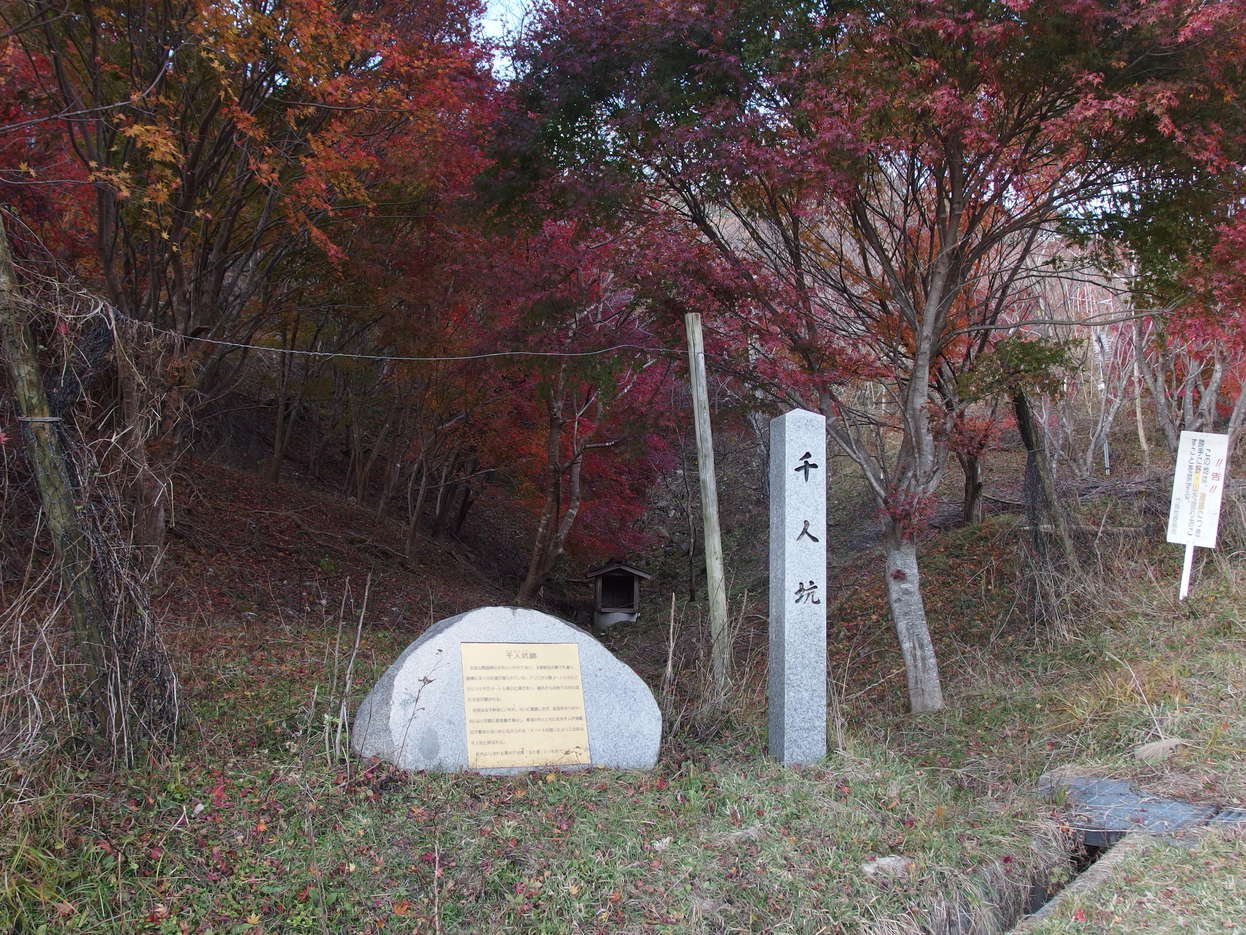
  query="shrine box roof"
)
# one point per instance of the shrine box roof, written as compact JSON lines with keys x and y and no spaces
{"x":613,"y":567}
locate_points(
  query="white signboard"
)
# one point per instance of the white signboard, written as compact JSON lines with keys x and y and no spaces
{"x":1197,"y":487}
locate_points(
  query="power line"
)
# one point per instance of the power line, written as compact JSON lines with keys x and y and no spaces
{"x":102,"y":306}
{"x":384,"y":357}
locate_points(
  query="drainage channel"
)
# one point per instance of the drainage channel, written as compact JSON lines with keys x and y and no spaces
{"x":1110,"y":819}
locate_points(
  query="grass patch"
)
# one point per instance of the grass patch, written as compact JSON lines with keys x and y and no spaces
{"x":261,"y":827}
{"x":1138,"y":666}
{"x":259,"y":831}
{"x":1162,"y":886}
{"x":253,"y":846}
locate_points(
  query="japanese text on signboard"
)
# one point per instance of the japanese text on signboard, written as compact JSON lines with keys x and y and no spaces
{"x":1198,"y":486}
{"x":524,"y":705}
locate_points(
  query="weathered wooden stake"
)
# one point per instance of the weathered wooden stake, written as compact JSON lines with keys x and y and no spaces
{"x":1187,"y":566}
{"x":720,"y":650}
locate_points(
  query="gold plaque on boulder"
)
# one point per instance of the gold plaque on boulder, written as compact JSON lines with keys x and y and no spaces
{"x":524,"y":705}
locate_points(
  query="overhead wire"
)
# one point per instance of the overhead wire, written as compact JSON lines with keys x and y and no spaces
{"x":390,"y":357}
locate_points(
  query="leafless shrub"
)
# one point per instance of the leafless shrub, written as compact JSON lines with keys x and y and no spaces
{"x":340,"y":672}
{"x":1119,"y":538}
{"x":31,"y":700}
{"x":691,"y":703}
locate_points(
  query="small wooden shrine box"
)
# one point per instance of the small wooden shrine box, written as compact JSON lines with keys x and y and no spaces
{"x":616,"y":594}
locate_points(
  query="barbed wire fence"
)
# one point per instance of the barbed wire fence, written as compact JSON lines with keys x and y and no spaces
{"x":110,"y":685}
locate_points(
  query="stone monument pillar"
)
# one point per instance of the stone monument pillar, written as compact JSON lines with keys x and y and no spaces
{"x":797,"y":691}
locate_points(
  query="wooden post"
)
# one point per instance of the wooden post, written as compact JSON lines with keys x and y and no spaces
{"x":132,"y":688}
{"x":1138,"y":386}
{"x":720,"y":650}
{"x":56,"y":494}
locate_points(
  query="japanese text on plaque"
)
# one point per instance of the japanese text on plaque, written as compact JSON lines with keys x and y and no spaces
{"x":524,"y":705}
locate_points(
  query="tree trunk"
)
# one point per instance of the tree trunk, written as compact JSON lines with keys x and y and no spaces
{"x":909,"y":615}
{"x":575,"y":496}
{"x":971,"y":499}
{"x":355,"y":442}
{"x":389,"y":483}
{"x":1139,"y":384}
{"x":323,"y":434}
{"x":281,"y":428}
{"x":469,"y":498}
{"x":1038,"y":467}
{"x":1143,"y":446}
{"x":148,"y":495}
{"x":1155,"y":370}
{"x":541,"y":541}
{"x":443,"y":484}
{"x":416,"y":505}
{"x":279,"y":433}
{"x":398,"y":442}
{"x":465,"y":506}
{"x":380,"y":444}
{"x":546,"y":528}
{"x":552,"y":531}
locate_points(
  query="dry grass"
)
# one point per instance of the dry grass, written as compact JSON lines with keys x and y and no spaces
{"x":264,"y":829}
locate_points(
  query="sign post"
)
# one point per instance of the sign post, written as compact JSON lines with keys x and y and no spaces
{"x":1197,"y":488}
